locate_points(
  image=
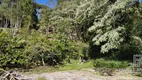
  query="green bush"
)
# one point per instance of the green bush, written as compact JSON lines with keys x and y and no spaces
{"x":52,"y":49}
{"x":38,"y":49}
{"x":102,"y":63}
{"x":11,"y":50}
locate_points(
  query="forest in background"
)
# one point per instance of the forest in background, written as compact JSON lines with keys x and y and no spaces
{"x":78,"y":30}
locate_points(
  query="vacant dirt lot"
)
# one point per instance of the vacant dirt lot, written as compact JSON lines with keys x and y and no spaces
{"x":86,"y":74}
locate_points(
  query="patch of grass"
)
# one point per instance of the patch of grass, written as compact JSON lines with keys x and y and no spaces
{"x":41,"y":78}
{"x":75,"y":65}
{"x":41,"y":69}
{"x":102,"y":63}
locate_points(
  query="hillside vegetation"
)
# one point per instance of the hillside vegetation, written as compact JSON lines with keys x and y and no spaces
{"x":78,"y":30}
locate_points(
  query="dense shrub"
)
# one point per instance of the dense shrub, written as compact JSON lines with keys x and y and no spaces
{"x":38,"y":49}
{"x":11,"y":50}
{"x":52,"y":50}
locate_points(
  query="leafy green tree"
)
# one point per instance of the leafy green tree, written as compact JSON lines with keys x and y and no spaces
{"x":62,"y":19}
{"x":19,"y":13}
{"x":44,"y":19}
{"x":29,"y":12}
{"x":61,"y":1}
{"x":109,"y":22}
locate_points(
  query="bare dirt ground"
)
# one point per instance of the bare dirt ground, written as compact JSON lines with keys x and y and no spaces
{"x":86,"y":74}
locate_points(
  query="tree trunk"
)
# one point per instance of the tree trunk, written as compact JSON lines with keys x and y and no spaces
{"x":43,"y":63}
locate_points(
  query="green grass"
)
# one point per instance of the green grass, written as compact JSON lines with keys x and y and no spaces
{"x":41,"y":78}
{"x":41,"y":69}
{"x":74,"y":65}
{"x":102,"y":63}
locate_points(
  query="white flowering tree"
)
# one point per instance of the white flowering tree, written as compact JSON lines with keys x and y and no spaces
{"x":111,"y":22}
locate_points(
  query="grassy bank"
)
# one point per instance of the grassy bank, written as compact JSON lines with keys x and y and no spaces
{"x":76,"y":65}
